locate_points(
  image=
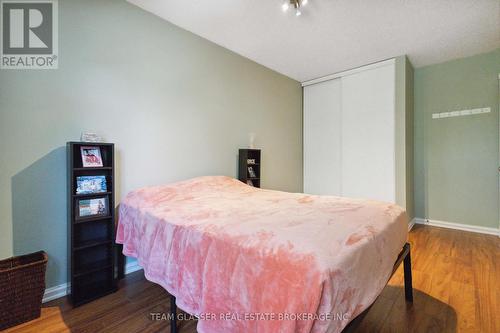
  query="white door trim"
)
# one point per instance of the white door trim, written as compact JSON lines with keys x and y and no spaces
{"x":349,"y":72}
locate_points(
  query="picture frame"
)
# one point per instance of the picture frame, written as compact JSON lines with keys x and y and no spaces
{"x":91,"y":156}
{"x":91,"y":184}
{"x":92,"y":207}
{"x":251,"y":172}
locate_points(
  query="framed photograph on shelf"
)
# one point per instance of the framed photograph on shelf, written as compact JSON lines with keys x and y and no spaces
{"x":86,"y":208}
{"x":91,"y":184}
{"x":91,"y":157}
{"x":251,"y":172}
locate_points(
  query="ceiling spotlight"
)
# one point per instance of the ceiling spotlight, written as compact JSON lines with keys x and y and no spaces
{"x":296,"y":4}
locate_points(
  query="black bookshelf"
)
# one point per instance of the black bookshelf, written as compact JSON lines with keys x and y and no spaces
{"x":249,"y":160}
{"x":92,"y":255}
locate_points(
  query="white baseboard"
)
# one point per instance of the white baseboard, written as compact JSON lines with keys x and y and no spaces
{"x":132,"y":267}
{"x":411,"y":224}
{"x":65,"y":288}
{"x":56,"y":292}
{"x":458,"y":226}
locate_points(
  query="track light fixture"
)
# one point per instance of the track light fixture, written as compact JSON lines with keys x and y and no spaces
{"x":295,"y":4}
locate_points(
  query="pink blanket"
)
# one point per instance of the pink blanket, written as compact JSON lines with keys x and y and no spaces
{"x":252,"y":260}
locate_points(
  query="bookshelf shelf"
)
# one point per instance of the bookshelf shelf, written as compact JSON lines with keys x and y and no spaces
{"x":93,"y":168}
{"x":92,"y":219}
{"x":91,"y":238}
{"x":94,"y":267}
{"x":91,"y":243}
{"x":90,"y":195}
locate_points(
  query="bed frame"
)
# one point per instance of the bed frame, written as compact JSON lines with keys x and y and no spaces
{"x":404,"y":256}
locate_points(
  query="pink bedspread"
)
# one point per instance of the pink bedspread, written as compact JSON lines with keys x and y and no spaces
{"x":253,"y":260}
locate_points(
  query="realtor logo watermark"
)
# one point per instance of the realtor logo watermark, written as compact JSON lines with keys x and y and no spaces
{"x":29,"y":34}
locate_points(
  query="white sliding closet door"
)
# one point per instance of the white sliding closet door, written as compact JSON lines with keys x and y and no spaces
{"x":322,"y":138}
{"x":368,"y":134}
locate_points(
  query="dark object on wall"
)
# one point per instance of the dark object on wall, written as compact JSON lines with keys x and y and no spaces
{"x":22,"y":285}
{"x":249,"y":173}
{"x":92,"y":252}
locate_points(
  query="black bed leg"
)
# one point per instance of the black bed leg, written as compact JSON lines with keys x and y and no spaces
{"x":173,"y":315}
{"x":407,"y":276}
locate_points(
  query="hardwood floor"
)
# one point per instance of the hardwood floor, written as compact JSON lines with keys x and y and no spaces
{"x":456,"y":277}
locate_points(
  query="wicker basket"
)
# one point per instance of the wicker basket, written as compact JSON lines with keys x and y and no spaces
{"x":22,"y":284}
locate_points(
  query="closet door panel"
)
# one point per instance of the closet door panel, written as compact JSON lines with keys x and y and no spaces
{"x":368,"y":120}
{"x":322,"y":138}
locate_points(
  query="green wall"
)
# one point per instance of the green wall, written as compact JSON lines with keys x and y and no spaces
{"x":176,"y":105}
{"x":456,"y":159}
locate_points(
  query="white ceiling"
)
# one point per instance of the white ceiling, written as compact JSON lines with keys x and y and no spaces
{"x":335,"y":35}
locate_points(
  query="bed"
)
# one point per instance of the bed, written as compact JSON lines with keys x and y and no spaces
{"x":245,"y":259}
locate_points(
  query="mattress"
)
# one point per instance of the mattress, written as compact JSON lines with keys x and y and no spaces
{"x":245,"y":259}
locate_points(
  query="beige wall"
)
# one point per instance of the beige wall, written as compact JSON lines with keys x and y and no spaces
{"x":176,"y":105}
